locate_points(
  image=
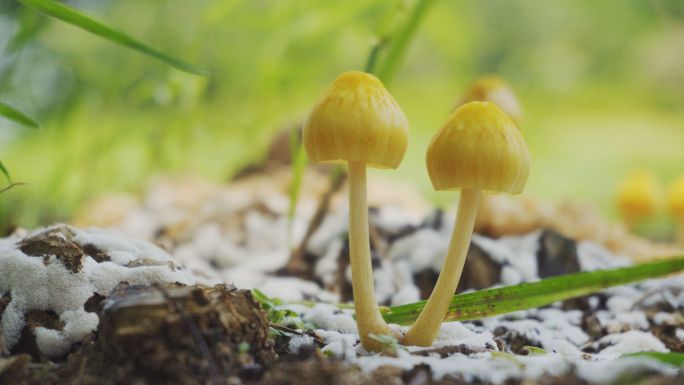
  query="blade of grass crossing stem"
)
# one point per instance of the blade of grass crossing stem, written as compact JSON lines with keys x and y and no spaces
{"x":85,"y":22}
{"x":17,"y":116}
{"x":671,"y":358}
{"x":492,"y":302}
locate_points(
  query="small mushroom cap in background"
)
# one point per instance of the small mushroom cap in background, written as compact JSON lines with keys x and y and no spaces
{"x":356,"y":120}
{"x":479,"y":147}
{"x":639,"y":195}
{"x":492,"y":88}
{"x":675,"y":198}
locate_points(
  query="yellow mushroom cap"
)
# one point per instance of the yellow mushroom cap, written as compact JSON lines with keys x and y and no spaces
{"x":639,"y":194}
{"x":356,"y":120}
{"x":478,"y":147}
{"x":492,"y":88}
{"x":675,"y":198}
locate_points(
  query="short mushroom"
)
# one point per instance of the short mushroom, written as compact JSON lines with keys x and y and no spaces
{"x":675,"y":206}
{"x":638,"y":197}
{"x":494,"y":89}
{"x":478,"y":150}
{"x":358,"y":122}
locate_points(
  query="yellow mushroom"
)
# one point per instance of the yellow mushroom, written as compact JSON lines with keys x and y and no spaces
{"x":638,"y":196}
{"x":675,"y":206}
{"x":358,"y":122}
{"x":492,"y":88}
{"x":479,"y":149}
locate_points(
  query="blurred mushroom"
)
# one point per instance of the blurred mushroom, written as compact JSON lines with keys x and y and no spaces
{"x":478,"y":150}
{"x":359,"y":122}
{"x":492,"y":88}
{"x":638,"y":197}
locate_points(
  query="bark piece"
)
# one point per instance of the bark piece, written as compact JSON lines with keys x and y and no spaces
{"x":55,"y":241}
{"x":557,"y":255}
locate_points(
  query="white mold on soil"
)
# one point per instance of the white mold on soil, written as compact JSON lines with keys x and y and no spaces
{"x":45,"y":283}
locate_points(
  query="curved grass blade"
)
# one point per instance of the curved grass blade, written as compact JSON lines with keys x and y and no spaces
{"x":17,"y":116}
{"x":671,"y":358}
{"x":399,"y":42}
{"x":85,"y":22}
{"x":492,"y":302}
{"x":4,"y":171}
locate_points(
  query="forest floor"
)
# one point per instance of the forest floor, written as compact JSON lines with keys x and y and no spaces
{"x":156,"y":290}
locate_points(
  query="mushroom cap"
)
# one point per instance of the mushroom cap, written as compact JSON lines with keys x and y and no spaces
{"x":356,"y":120}
{"x":675,"y":197}
{"x":478,"y":147}
{"x":639,"y":194}
{"x":494,"y":89}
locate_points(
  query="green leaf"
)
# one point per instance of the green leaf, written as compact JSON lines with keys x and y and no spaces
{"x":492,"y":302}
{"x":534,"y":350}
{"x":399,"y":42}
{"x":3,"y":169}
{"x":672,"y":358}
{"x":17,"y":116}
{"x":85,"y":22}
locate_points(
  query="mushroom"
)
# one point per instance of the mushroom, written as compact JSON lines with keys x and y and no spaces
{"x":638,"y":197}
{"x":675,"y":205}
{"x":358,"y":122}
{"x":478,"y":150}
{"x":492,"y":88}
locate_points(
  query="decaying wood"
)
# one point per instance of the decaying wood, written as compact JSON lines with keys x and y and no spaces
{"x":164,"y":335}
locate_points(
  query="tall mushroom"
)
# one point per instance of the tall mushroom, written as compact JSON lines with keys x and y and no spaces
{"x":478,"y":150}
{"x":357,"y":121}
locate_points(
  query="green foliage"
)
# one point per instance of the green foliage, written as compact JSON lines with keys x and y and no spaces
{"x":4,"y":171}
{"x":671,"y":358}
{"x":274,"y":313}
{"x":17,"y":116}
{"x":398,"y":43}
{"x":390,"y":345}
{"x":508,"y":299}
{"x":85,"y":22}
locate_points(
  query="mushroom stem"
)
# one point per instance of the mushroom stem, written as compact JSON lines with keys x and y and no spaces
{"x":368,"y":316}
{"x":425,"y":329}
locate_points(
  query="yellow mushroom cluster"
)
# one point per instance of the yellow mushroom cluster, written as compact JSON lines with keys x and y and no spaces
{"x":639,"y":198}
{"x":479,"y":149}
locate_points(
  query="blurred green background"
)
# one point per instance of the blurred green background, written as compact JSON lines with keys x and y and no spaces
{"x":601,"y":85}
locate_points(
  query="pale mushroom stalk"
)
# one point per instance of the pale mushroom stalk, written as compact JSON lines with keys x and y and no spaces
{"x":426,"y":327}
{"x":368,"y":315}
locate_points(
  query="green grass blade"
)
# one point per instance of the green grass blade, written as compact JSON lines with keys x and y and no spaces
{"x":17,"y":116}
{"x":298,"y":168}
{"x":400,"y":41}
{"x":492,"y":302}
{"x":85,"y":22}
{"x":671,"y":358}
{"x":4,"y":171}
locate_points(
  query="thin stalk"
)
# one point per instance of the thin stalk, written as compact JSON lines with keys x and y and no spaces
{"x":426,"y":328}
{"x":368,"y":316}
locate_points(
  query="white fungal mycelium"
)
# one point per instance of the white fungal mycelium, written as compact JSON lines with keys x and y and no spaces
{"x":44,"y":283}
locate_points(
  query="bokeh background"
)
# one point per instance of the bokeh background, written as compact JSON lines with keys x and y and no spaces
{"x":601,"y":85}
